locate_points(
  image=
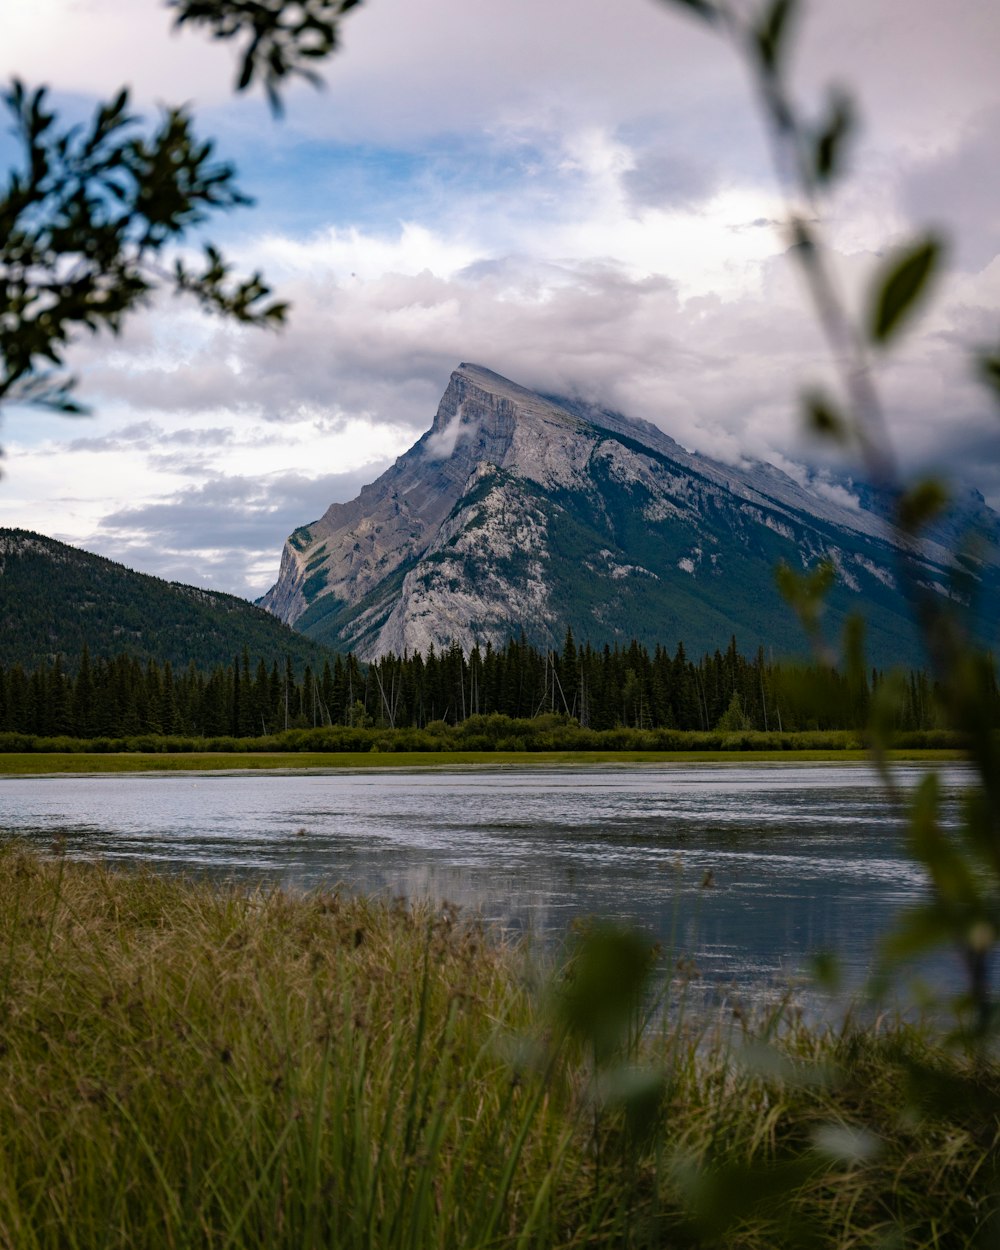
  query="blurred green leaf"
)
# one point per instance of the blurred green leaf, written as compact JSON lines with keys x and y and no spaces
{"x":920,"y":928}
{"x":639,"y":1093}
{"x":823,"y":417}
{"x":989,"y":372}
{"x":921,"y":504}
{"x":936,"y":1091}
{"x":604,"y":988}
{"x":980,"y":821}
{"x":770,"y":1063}
{"x":900,"y":283}
{"x":282,"y":37}
{"x":720,"y":1198}
{"x":806,"y":592}
{"x":888,"y":705}
{"x":771,"y":32}
{"x":701,"y":8}
{"x":845,"y":1143}
{"x":830,"y":142}
{"x":954,"y":881}
{"x":826,"y":971}
{"x":83,"y":228}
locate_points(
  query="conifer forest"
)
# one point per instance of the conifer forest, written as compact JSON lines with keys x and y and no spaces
{"x":620,"y":687}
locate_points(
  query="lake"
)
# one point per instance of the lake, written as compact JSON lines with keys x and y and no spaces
{"x":749,"y":869}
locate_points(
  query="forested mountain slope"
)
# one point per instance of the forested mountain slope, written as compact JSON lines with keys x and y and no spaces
{"x":54,"y":599}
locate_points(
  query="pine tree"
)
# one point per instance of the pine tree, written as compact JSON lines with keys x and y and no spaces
{"x":152,"y":718}
{"x":214,"y":709}
{"x":58,"y":701}
{"x":275,"y":702}
{"x":247,"y":723}
{"x":326,"y":694}
{"x":734,"y":718}
{"x":168,"y":701}
{"x":82,"y":706}
{"x":18,"y":695}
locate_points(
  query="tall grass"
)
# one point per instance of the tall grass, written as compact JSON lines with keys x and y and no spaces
{"x":192,"y":1065}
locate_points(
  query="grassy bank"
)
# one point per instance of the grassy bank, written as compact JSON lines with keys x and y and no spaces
{"x":31,"y":763}
{"x":186,"y":1066}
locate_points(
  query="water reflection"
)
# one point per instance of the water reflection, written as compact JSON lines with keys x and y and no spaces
{"x":748,"y":868}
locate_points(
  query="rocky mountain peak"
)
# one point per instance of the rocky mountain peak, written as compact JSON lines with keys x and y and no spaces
{"x":484,"y":423}
{"x":520,"y":510}
{"x":475,"y":420}
{"x":483,"y":417}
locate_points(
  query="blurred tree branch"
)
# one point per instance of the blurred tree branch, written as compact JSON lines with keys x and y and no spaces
{"x":283,"y":37}
{"x":89,"y":216}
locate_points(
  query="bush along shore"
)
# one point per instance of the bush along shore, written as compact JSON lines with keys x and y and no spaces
{"x":190,"y":1065}
{"x":487,"y":734}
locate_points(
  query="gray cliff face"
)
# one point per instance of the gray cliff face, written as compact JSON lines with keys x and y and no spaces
{"x":482,"y":420}
{"x":520,"y":511}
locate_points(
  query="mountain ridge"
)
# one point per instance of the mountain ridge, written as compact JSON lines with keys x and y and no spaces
{"x":518,"y":510}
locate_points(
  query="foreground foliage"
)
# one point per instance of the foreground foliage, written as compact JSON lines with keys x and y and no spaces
{"x":189,"y":1065}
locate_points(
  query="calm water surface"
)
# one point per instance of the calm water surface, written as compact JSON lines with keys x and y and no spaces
{"x":750,"y":869}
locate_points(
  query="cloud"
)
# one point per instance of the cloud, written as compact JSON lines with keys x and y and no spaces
{"x":211,"y":504}
{"x":147,"y":435}
{"x":720,"y":374}
{"x":226,"y":533}
{"x":959,"y":189}
{"x":448,"y":65}
{"x":667,"y":180}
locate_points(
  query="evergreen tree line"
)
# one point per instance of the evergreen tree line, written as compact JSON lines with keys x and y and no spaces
{"x":600,"y":688}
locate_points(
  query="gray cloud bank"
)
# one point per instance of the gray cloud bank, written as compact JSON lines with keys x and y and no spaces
{"x":226,"y":533}
{"x":719,"y":374}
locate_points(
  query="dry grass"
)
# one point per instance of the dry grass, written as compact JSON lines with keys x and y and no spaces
{"x":186,"y":1065}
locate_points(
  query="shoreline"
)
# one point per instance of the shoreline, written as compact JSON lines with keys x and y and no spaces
{"x":25,"y":764}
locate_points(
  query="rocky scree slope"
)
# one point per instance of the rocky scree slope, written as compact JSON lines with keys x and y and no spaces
{"x":519,"y":511}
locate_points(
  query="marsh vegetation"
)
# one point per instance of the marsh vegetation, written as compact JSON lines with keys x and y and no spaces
{"x":188,"y":1065}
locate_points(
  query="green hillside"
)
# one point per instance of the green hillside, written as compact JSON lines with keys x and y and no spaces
{"x":54,"y":599}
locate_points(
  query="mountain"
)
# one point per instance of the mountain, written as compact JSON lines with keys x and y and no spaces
{"x":524,"y":511}
{"x":55,"y":598}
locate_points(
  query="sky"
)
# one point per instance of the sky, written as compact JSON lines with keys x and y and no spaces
{"x":576,"y":194}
